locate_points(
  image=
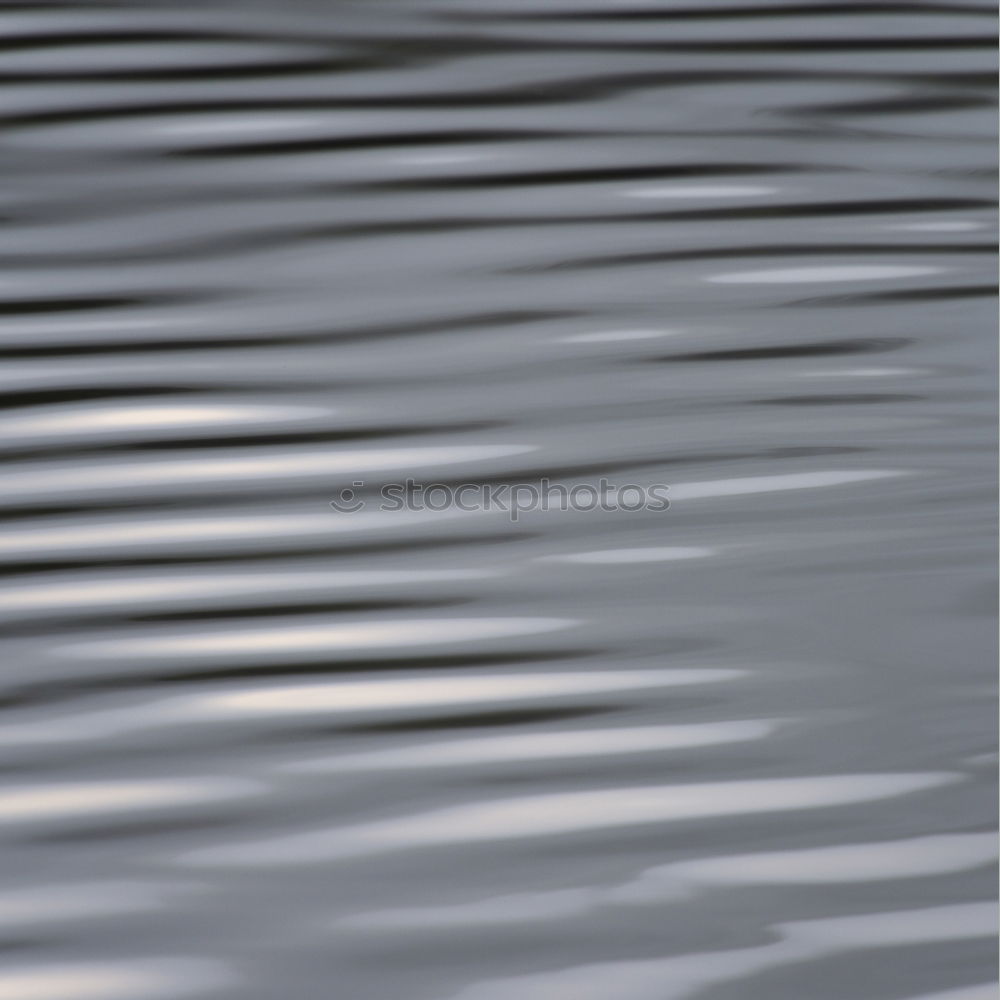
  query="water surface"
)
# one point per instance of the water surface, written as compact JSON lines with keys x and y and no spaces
{"x":256,"y":254}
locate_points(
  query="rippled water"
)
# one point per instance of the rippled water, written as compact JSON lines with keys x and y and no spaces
{"x":258,"y":253}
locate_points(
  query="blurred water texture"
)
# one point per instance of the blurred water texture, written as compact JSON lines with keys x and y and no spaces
{"x":737,"y":750}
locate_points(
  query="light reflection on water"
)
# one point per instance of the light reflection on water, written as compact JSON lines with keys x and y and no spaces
{"x":921,"y":857}
{"x":742,"y":747}
{"x":568,"y":813}
{"x":801,"y":941}
{"x":155,"y":978}
{"x":43,"y":802}
{"x":541,"y":746}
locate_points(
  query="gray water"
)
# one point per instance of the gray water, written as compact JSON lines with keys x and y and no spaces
{"x":259,"y":253}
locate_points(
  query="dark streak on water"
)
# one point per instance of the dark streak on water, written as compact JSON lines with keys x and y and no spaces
{"x":254,"y":252}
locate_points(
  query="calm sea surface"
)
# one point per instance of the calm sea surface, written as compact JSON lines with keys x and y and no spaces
{"x":256,"y":254}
